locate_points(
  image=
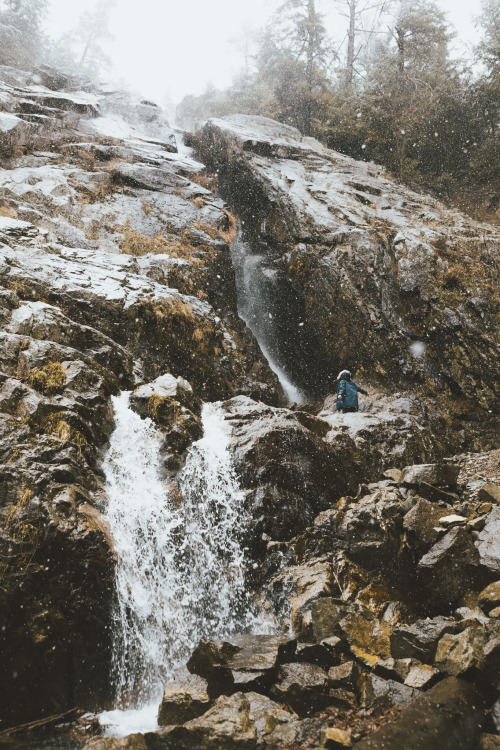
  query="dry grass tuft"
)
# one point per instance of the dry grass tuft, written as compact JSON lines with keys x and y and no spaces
{"x":207,"y":181}
{"x":48,"y":379}
{"x":8,"y":211}
{"x":60,"y":429}
{"x":228,"y":234}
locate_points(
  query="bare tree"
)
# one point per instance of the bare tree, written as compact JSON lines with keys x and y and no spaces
{"x":363,"y":18}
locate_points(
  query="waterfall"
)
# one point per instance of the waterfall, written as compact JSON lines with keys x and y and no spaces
{"x":180,"y":561}
{"x":254,"y":287}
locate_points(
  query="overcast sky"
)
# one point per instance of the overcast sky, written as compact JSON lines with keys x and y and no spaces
{"x":170,"y":48}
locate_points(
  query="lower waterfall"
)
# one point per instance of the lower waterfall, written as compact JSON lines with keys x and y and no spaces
{"x":180,"y":560}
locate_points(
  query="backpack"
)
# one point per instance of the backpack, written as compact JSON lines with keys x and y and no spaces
{"x":350,"y":396}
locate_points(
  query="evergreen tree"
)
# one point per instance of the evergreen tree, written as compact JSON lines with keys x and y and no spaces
{"x":83,"y":48}
{"x":21,"y":39}
{"x":292,"y":63}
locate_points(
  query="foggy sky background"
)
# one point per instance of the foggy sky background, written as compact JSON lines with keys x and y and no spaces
{"x":166,"y":49}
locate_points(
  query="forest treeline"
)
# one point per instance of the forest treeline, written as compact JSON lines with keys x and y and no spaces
{"x":392,"y":94}
{"x":81,"y":51}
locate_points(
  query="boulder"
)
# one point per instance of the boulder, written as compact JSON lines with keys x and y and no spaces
{"x":280,"y":456}
{"x":420,"y":523}
{"x":238,"y":722}
{"x":303,"y":687}
{"x":131,"y":742}
{"x":489,"y":493}
{"x":489,"y":598}
{"x":449,"y":569}
{"x":242,"y":663}
{"x":326,"y":614}
{"x":421,"y":676}
{"x":395,"y":669}
{"x":449,"y":715}
{"x":495,"y":715}
{"x":183,"y":699}
{"x":336,"y":739}
{"x":368,"y":638}
{"x":377,"y":692}
{"x":298,"y":731}
{"x":434,"y":474}
{"x":488,"y":545}
{"x":420,"y":640}
{"x":325,"y":654}
{"x":489,"y":742}
{"x":147,"y":399}
{"x":458,"y":653}
{"x":345,"y":674}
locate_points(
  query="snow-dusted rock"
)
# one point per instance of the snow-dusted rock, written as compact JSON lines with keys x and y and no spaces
{"x":364,"y":273}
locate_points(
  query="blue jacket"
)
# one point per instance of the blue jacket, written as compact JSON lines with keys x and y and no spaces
{"x":348,"y":391}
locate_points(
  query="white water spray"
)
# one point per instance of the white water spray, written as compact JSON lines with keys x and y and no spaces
{"x":251,"y":287}
{"x":180,"y":563}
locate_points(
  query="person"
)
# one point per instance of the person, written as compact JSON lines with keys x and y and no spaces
{"x":347,"y":393}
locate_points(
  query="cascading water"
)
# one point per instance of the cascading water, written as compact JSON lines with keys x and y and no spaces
{"x":180,"y":561}
{"x":253,"y":287}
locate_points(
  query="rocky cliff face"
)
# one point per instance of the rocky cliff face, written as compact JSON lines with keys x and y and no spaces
{"x":115,"y":268}
{"x":362,"y":272}
{"x":116,"y":274}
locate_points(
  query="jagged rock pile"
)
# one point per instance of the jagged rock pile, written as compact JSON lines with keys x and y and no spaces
{"x":395,"y":608}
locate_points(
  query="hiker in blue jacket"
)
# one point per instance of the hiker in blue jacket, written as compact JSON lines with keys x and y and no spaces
{"x":347,"y":393}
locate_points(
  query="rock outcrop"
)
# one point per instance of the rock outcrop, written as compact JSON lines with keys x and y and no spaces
{"x":363,"y":272}
{"x":115,"y":270}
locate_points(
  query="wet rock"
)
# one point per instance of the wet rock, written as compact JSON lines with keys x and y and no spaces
{"x":167,"y":388}
{"x":335,"y":739}
{"x":244,"y":663}
{"x":184,"y":699}
{"x":421,"y":676}
{"x":345,"y":674}
{"x":420,"y":523}
{"x":368,"y":638}
{"x":419,"y":640}
{"x":489,"y":493}
{"x":132,"y":742}
{"x":449,"y":569}
{"x":457,"y":653}
{"x":302,"y":585}
{"x":298,"y":732}
{"x":495,"y":714}
{"x":375,"y":691}
{"x":240,"y":721}
{"x":439,"y":474}
{"x":449,"y":715}
{"x":320,"y":230}
{"x":488,"y":545}
{"x":489,"y":598}
{"x":303,"y":687}
{"x":284,"y":450}
{"x":489,"y":742}
{"x":13,"y":132}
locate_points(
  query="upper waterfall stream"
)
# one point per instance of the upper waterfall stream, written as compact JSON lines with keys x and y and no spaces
{"x":180,"y":560}
{"x":253,"y":287}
